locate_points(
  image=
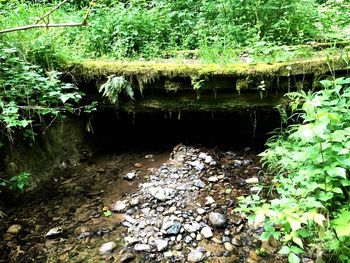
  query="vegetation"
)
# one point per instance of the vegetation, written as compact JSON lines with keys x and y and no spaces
{"x":213,"y":31}
{"x":310,"y":163}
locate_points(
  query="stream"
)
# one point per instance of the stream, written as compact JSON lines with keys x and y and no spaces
{"x":166,"y":206}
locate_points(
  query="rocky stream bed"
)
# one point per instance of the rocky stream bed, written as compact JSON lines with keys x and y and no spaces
{"x":141,"y":207}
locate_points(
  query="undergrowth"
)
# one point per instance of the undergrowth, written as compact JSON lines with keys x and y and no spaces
{"x":309,"y":205}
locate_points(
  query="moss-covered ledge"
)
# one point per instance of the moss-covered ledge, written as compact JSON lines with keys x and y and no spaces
{"x":148,"y":71}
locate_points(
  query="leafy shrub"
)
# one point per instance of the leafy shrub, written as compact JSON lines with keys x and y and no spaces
{"x":28,"y":94}
{"x":310,"y":164}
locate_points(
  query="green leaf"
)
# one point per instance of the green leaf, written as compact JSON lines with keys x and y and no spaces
{"x":342,"y":224}
{"x":337,"y":190}
{"x":292,"y":258}
{"x":284,"y":250}
{"x":336,"y":172}
{"x":265,"y":235}
{"x":297,"y":240}
{"x":296,"y":250}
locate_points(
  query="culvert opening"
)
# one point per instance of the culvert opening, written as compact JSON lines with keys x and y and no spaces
{"x":113,"y":132}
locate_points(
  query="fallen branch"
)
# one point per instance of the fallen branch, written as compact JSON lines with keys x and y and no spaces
{"x":40,"y":25}
{"x":35,"y":25}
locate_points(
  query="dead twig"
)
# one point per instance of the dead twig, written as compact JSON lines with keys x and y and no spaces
{"x":35,"y":25}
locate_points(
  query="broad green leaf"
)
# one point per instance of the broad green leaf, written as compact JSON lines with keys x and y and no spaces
{"x":319,"y":218}
{"x":296,"y":250}
{"x":342,"y":224}
{"x":292,"y":258}
{"x":284,"y":250}
{"x":297,"y":240}
{"x":265,"y":235}
{"x":337,"y":190}
{"x":336,"y":172}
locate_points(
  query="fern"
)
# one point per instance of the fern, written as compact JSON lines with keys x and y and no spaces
{"x":114,"y":86}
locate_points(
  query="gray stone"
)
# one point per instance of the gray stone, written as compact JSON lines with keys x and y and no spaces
{"x":193,"y":227}
{"x":161,"y":244}
{"x":173,"y":229}
{"x":142,"y":248}
{"x":195,"y":256}
{"x":119,"y":206}
{"x":54,"y":232}
{"x":206,"y":232}
{"x":198,"y":183}
{"x":162,"y":194}
{"x":217,"y":219}
{"x":107,"y":247}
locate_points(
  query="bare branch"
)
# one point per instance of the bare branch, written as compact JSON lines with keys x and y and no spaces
{"x":50,"y":12}
{"x":35,"y":25}
{"x":41,"y":25}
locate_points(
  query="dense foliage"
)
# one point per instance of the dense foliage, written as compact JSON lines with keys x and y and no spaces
{"x":310,"y":164}
{"x":162,"y":28}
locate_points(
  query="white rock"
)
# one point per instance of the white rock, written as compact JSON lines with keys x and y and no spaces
{"x":209,"y":201}
{"x":217,"y":219}
{"x":198,"y":165}
{"x":201,"y":211}
{"x":195,"y":256}
{"x":130,"y":176}
{"x":129,"y":219}
{"x":168,"y":254}
{"x":54,"y":232}
{"x":119,"y":206}
{"x":252,"y":180}
{"x":207,"y":232}
{"x":131,"y":240}
{"x":228,"y":246}
{"x":208,"y":159}
{"x":213,"y":179}
{"x":107,"y":247}
{"x":162,"y":244}
{"x":142,"y":248}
